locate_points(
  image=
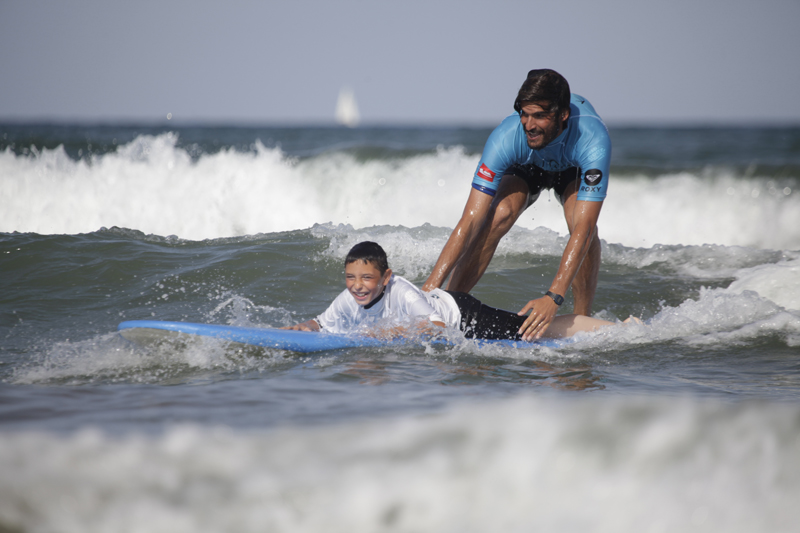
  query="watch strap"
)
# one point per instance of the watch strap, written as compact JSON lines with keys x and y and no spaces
{"x":557,"y":298}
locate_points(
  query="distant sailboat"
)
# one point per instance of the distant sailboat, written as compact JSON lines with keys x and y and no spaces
{"x":347,"y":109}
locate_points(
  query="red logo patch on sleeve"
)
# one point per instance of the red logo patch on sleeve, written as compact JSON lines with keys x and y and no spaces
{"x":485,"y":173}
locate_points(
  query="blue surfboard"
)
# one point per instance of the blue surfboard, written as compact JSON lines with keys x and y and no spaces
{"x":148,"y":331}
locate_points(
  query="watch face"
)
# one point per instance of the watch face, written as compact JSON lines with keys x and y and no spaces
{"x":557,"y":298}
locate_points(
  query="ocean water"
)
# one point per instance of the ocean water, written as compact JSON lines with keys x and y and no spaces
{"x":689,"y":422}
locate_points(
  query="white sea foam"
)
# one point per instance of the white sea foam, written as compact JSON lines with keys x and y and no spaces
{"x":750,"y":309}
{"x":109,"y":358}
{"x":694,"y":210}
{"x":708,"y":260}
{"x":779,"y":282}
{"x":599,"y":464}
{"x":155,"y":187}
{"x":412,"y":252}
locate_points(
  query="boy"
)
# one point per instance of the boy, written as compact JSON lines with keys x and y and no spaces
{"x":373,"y":292}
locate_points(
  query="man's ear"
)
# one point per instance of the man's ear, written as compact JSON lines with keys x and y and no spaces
{"x":387,"y":276}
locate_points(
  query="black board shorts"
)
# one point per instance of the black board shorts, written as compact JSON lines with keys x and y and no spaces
{"x":537,"y":179}
{"x":479,"y":321}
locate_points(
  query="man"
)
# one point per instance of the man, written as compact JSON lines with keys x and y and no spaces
{"x":555,"y":140}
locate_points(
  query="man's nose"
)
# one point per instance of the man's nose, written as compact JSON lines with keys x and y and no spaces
{"x":526,"y":123}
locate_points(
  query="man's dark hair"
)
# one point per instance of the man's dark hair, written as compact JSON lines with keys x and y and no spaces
{"x":369,"y":252}
{"x":544,"y":85}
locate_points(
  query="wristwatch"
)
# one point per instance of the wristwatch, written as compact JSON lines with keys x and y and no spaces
{"x":557,"y":298}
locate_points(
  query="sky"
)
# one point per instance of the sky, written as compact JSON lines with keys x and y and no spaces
{"x":423,"y":62}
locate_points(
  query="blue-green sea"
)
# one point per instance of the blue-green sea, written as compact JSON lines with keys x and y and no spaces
{"x":689,"y":422}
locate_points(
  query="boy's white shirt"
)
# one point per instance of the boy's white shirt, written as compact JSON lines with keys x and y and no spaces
{"x":401,"y":299}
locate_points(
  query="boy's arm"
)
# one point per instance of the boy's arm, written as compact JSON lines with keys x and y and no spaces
{"x":394,"y":332}
{"x":308,"y":325}
{"x":328,"y":317}
{"x":388,"y":333}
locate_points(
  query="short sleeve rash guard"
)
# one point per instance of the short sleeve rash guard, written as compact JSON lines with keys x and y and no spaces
{"x":400,"y":299}
{"x":584,"y":143}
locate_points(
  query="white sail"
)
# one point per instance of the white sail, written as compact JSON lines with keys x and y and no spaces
{"x":347,"y":109}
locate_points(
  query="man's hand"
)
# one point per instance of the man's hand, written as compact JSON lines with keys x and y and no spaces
{"x":542,"y":312}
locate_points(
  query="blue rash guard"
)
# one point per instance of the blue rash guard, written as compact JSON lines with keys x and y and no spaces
{"x":584,"y":144}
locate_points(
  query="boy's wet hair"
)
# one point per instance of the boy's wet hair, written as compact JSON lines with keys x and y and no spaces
{"x":369,"y":252}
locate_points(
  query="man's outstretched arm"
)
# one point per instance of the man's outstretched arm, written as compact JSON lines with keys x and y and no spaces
{"x":468,"y":227}
{"x":583,"y":227}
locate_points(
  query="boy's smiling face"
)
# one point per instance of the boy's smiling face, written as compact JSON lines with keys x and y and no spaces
{"x":364,"y":281}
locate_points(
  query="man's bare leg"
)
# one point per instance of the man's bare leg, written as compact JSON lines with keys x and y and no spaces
{"x":510,"y":202}
{"x":568,"y":325}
